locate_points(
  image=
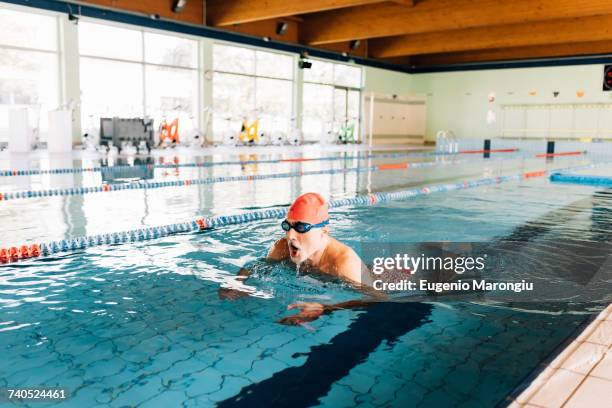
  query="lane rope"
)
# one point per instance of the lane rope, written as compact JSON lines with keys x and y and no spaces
{"x":591,"y":180}
{"x":34,"y":250}
{"x":143,"y":184}
{"x":147,"y":185}
{"x":120,"y":168}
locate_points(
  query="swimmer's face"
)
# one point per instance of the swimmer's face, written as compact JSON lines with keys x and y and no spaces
{"x":303,"y":246}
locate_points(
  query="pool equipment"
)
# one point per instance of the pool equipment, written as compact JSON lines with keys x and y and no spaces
{"x":446,"y":142}
{"x":168,"y":133}
{"x":19,"y":130}
{"x":295,"y":136}
{"x":347,"y":133}
{"x":113,"y":131}
{"x":249,"y":133}
{"x":128,"y":148}
{"x":592,"y":180}
{"x":193,"y":135}
{"x":143,"y":148}
{"x":333,"y":132}
{"x":91,"y":137}
{"x":59,"y":135}
{"x":112,"y":149}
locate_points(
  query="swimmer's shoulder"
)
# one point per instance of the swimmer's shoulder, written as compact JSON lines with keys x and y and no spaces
{"x":346,"y":261}
{"x":341,"y":252}
{"x":279,"y":250}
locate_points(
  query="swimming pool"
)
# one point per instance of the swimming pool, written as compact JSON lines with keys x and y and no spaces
{"x":142,"y":324}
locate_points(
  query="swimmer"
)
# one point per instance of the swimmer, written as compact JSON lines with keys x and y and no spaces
{"x":308,"y":245}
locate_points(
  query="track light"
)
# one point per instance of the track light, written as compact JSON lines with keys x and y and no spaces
{"x":303,"y":64}
{"x":281,"y":28}
{"x":178,"y":5}
{"x":353,"y":45}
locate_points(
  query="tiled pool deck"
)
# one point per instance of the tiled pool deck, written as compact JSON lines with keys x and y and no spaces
{"x":580,"y":376}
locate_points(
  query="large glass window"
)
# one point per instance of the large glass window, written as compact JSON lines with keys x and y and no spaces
{"x":131,"y":73}
{"x":331,"y":99}
{"x":29,"y":60}
{"x":251,"y":83}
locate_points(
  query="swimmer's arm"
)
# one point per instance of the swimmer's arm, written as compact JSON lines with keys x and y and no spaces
{"x":279,"y":251}
{"x":310,"y":311}
{"x":350,"y":267}
{"x":275,"y":254}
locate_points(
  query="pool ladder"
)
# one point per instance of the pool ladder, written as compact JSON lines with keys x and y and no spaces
{"x":446,"y":142}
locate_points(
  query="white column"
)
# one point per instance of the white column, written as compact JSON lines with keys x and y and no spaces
{"x":206,"y":83}
{"x":69,"y":71}
{"x":298,"y":99}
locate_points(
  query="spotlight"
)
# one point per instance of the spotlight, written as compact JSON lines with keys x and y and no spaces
{"x":73,"y":18}
{"x":353,"y":45}
{"x":178,"y":6}
{"x":345,"y":54}
{"x":303,"y":64}
{"x":154,"y":16}
{"x":281,"y":28}
{"x":266,"y":39}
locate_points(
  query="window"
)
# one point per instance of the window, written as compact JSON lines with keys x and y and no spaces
{"x":251,"y":83}
{"x":29,"y":66}
{"x":331,"y":99}
{"x":131,"y":73}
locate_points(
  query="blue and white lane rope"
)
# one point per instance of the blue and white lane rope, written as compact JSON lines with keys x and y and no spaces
{"x":142,"y":184}
{"x":144,"y":234}
{"x":119,"y":168}
{"x":600,"y":181}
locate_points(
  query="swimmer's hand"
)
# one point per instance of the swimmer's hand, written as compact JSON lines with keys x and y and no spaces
{"x":231,"y":294}
{"x":309,"y":311}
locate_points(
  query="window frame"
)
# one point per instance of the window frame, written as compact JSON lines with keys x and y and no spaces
{"x":197,"y":114}
{"x":292,"y":80}
{"x":344,"y":88}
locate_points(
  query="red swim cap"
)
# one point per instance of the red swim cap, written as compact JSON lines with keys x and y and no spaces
{"x":310,"y":208}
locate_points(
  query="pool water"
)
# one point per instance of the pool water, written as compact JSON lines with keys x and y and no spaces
{"x":143,"y":324}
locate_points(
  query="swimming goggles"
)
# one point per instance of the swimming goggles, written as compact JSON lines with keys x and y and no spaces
{"x":302,"y":227}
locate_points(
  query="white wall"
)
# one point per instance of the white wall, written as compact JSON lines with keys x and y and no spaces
{"x":387,"y":82}
{"x":458,"y":101}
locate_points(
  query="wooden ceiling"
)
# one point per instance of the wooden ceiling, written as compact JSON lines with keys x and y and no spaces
{"x":415,"y":33}
{"x":423,"y":33}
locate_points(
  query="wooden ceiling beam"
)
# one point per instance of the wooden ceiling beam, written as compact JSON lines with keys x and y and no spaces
{"x":597,"y":28}
{"x":227,"y":12}
{"x":409,"y":3}
{"x":388,"y":19}
{"x":513,"y":54}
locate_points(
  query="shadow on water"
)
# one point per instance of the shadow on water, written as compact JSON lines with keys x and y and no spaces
{"x":327,"y":363}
